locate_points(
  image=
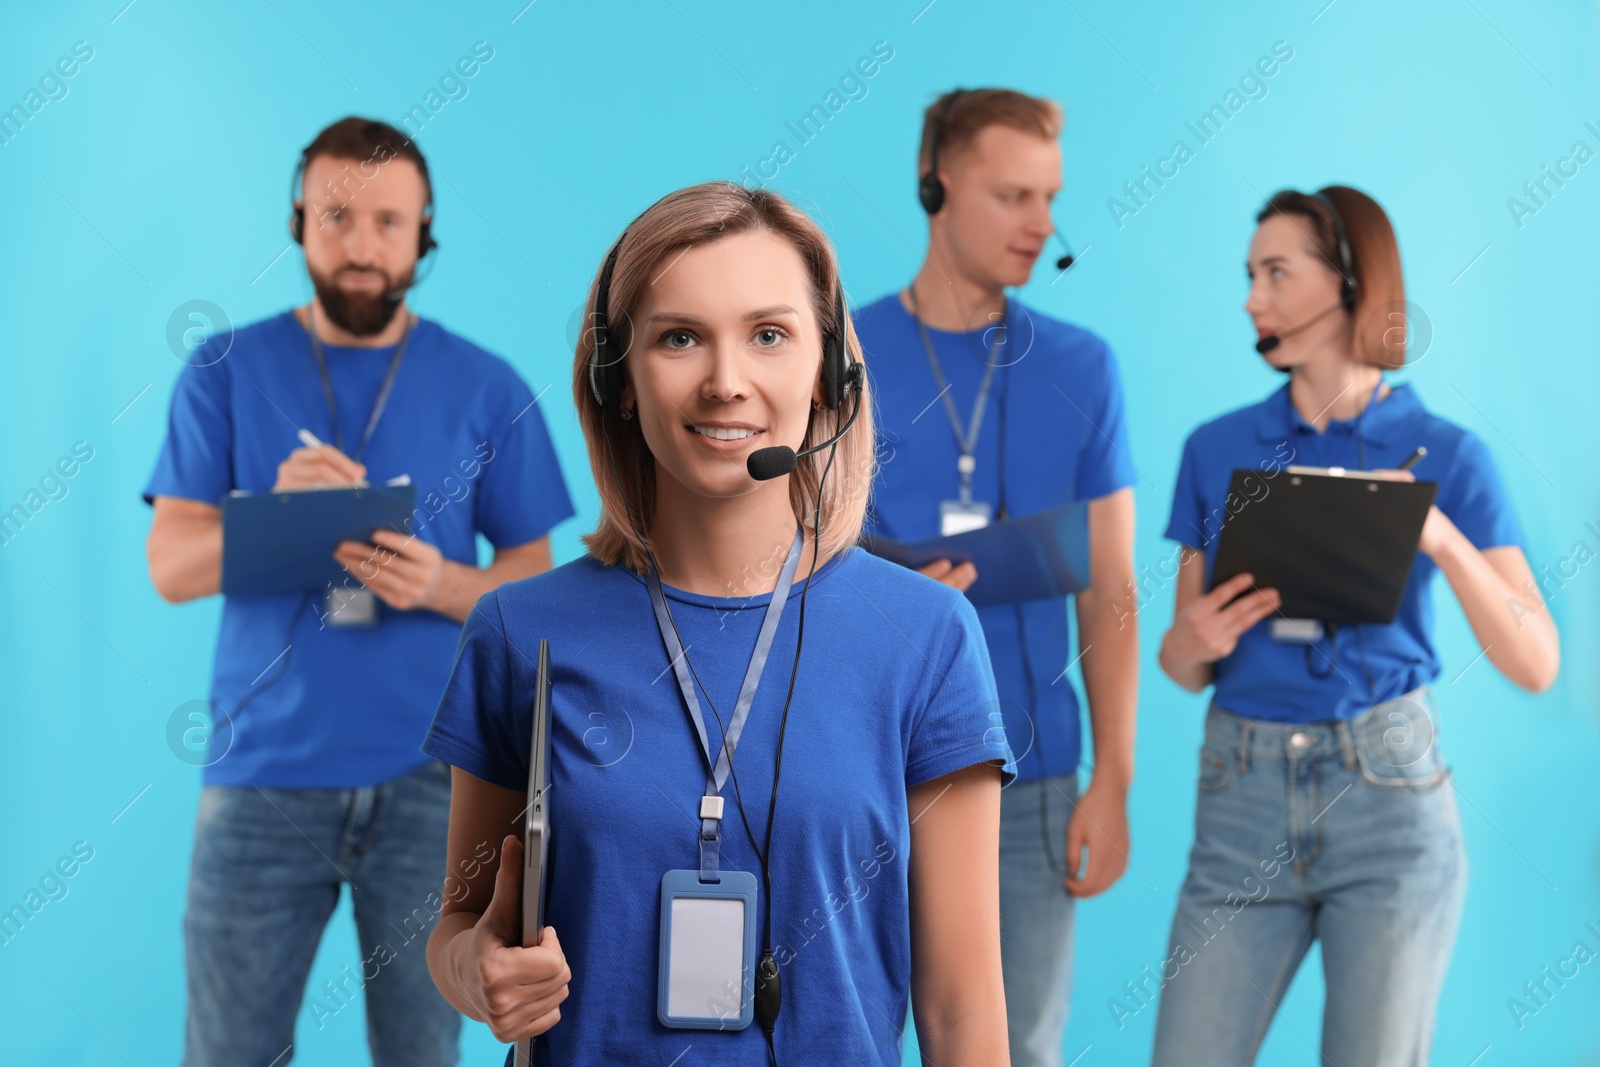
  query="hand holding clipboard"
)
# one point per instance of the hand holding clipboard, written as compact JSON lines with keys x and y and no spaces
{"x":1337,"y":545}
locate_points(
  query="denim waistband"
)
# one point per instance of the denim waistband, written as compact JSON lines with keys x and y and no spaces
{"x":1408,"y":722}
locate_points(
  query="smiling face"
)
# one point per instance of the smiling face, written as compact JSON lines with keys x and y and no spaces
{"x":1291,"y":283}
{"x":725,"y":357}
{"x":996,"y":215}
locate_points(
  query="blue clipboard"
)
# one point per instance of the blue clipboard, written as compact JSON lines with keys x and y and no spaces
{"x":284,"y":542}
{"x":1031,"y":557}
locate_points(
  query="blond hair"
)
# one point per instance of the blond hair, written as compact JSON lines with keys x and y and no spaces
{"x":619,"y":457}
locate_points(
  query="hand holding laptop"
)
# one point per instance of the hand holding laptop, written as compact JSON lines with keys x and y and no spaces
{"x":522,"y":988}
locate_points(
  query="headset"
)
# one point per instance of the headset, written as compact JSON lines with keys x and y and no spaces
{"x":841,"y":375}
{"x":1347,"y":263}
{"x":297,"y":217}
{"x":1347,"y":281}
{"x":930,"y":190}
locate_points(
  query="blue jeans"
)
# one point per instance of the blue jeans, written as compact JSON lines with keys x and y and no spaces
{"x":1346,"y":832}
{"x":266,"y":874}
{"x":1036,"y":917}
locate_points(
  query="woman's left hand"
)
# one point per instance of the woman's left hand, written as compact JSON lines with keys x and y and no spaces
{"x":1437,"y":529}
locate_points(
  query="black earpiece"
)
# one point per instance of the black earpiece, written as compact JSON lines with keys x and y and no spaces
{"x":930,"y":190}
{"x":1347,"y":265}
{"x":605,"y":362}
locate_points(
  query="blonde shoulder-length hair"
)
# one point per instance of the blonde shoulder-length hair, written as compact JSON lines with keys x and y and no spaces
{"x":625,"y":472}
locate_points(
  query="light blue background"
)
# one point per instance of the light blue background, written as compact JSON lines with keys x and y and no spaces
{"x":163,"y":177}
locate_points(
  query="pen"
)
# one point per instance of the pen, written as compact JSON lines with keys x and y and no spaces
{"x":1411,"y":460}
{"x":310,"y":440}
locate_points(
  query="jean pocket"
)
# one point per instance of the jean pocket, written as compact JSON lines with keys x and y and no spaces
{"x":1216,"y":769}
{"x":1399,"y":757}
{"x":218,"y":803}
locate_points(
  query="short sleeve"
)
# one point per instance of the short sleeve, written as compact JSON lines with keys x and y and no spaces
{"x":196,"y":460}
{"x":522,"y":495}
{"x":960,"y":723}
{"x":473,"y":726}
{"x":1104,"y":465}
{"x":1188,"y":506}
{"x":1474,"y":498}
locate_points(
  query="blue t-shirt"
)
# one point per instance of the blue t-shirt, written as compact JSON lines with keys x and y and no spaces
{"x":1057,"y":399}
{"x":1267,"y":679}
{"x":894,"y":690}
{"x":351,"y":706}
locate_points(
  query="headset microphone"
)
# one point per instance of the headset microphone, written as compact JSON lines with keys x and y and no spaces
{"x":764,"y":464}
{"x":1067,"y":260}
{"x":1271,"y":341}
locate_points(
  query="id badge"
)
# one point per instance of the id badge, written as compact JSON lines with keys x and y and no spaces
{"x":708,"y":951}
{"x":350,"y":609}
{"x":1297,"y":631}
{"x":956,"y":517}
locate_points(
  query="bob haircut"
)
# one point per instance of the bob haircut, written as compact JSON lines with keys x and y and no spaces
{"x":701,"y":214}
{"x":1381,"y":316}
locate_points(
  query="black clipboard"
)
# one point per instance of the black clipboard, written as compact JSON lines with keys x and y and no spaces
{"x":1030,"y":557}
{"x":536,"y":826}
{"x":1338,"y":547}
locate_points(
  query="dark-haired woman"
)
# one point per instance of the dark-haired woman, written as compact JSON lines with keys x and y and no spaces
{"x":1325,"y":811}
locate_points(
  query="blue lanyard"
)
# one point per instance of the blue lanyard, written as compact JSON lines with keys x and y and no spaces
{"x":719,"y":766}
{"x":966,"y":442}
{"x":378,"y":404}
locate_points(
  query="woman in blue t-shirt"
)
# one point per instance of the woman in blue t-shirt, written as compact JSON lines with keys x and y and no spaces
{"x":852,"y":793}
{"x":1324,"y":806}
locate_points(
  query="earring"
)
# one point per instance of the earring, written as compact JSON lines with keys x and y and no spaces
{"x":627,"y":413}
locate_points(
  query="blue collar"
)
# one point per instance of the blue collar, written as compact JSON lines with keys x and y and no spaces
{"x":1390,"y":415}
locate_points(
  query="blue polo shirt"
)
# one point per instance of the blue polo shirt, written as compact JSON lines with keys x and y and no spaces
{"x":350,"y":706}
{"x":1267,"y":679}
{"x":1057,"y":401}
{"x":893,"y":690}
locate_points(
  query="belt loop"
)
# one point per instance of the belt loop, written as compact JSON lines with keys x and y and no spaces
{"x":1347,"y":746}
{"x":1242,"y":758}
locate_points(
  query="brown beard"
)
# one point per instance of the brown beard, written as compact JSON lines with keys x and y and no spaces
{"x":361,"y":314}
